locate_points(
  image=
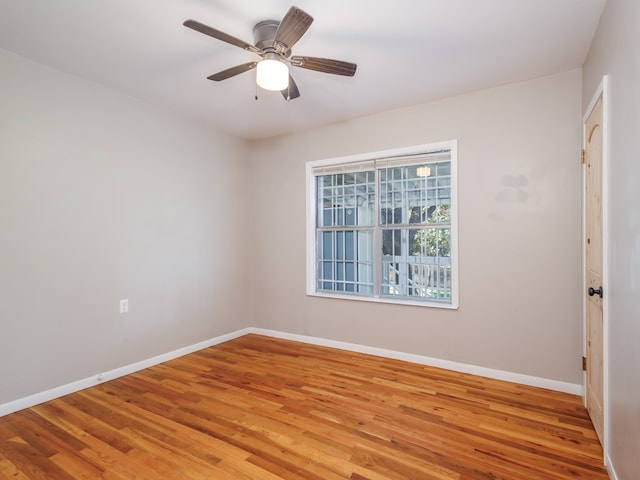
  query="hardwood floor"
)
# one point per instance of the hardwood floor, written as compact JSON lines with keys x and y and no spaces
{"x":267,"y":409}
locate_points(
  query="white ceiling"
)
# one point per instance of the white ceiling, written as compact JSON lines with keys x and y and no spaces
{"x":407,"y":51}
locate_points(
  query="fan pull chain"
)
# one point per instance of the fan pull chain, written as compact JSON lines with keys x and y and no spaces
{"x":256,"y":85}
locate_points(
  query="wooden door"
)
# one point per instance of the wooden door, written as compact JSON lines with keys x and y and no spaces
{"x":594,"y":260}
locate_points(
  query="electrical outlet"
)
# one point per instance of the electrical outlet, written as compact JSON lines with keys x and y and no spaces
{"x":124,"y":305}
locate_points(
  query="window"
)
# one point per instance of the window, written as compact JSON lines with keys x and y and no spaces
{"x":382,"y":227}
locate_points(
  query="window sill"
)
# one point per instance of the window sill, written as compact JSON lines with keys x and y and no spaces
{"x":378,"y":299}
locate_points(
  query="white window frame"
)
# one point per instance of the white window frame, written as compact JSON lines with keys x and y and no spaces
{"x":311,"y":212}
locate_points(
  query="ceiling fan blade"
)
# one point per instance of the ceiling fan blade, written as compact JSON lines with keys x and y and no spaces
{"x":291,"y":28}
{"x":217,"y":34}
{"x":233,"y":71}
{"x":325,"y":65}
{"x":291,"y":91}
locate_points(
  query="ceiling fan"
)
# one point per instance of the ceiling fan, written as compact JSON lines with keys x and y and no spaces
{"x":273,"y":41}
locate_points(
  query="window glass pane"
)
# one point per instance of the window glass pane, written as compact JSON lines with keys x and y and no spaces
{"x":391,"y":242}
{"x":348,"y":245}
{"x":439,"y":214}
{"x":391,"y":216}
{"x":327,"y":245}
{"x":417,"y":263}
{"x":349,"y":272}
{"x":430,"y":242}
{"x":347,"y":261}
{"x":415,"y":194}
{"x":443,"y":168}
{"x":339,"y":245}
{"x":417,"y":214}
{"x":328,"y":270}
{"x":345,"y":199}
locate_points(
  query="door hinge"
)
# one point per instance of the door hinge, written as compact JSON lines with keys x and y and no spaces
{"x":584,"y":364}
{"x":583,"y":156}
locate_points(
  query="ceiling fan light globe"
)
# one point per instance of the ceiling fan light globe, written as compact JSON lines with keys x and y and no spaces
{"x":272,"y":75}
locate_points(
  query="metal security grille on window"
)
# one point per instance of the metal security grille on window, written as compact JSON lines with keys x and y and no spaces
{"x":386,"y":231}
{"x":346,"y":216}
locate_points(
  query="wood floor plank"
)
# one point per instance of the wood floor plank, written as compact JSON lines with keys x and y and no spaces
{"x":259,"y":408}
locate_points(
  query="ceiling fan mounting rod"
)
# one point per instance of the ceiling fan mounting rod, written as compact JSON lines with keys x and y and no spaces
{"x":264,"y":32}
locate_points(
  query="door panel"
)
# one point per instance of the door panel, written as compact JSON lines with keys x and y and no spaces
{"x":594,"y":262}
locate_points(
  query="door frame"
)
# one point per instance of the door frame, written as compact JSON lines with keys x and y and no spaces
{"x":602,"y":90}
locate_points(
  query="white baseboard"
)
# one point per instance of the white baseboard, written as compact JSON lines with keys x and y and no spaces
{"x":56,"y":392}
{"x":610,"y":470}
{"x":556,"y":385}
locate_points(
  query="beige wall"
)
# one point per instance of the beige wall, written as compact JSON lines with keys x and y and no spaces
{"x":519,"y":184}
{"x":103,"y":197}
{"x":614,"y":52}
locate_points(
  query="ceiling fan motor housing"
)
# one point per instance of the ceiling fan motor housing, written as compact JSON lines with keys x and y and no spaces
{"x":263,"y":35}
